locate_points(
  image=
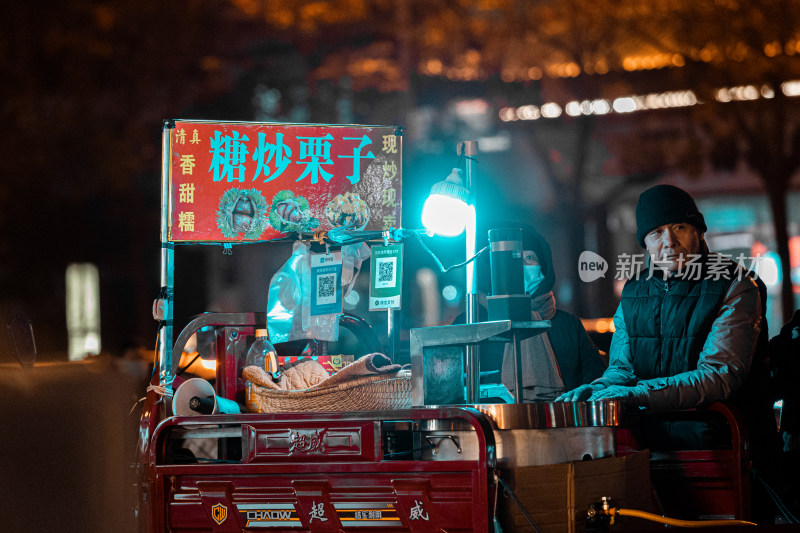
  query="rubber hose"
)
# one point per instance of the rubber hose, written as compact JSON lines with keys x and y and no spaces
{"x":614,"y":511}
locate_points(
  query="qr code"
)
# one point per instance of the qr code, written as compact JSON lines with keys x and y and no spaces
{"x":326,"y":289}
{"x":386,"y":274}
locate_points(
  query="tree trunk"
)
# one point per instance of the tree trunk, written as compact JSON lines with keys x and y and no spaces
{"x":572,"y":210}
{"x":769,"y":157}
{"x":576,"y":214}
{"x":597,"y":293}
{"x":777,"y":202}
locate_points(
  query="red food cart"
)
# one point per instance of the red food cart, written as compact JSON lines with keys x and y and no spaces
{"x":429,"y":462}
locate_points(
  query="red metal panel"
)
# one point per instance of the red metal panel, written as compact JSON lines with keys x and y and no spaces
{"x":310,"y":441}
{"x":230,"y":343}
{"x":292,"y":493}
{"x":314,"y":503}
{"x":391,"y":501}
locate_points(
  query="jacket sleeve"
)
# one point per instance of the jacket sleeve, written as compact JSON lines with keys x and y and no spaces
{"x":724,"y":361}
{"x":620,"y":364}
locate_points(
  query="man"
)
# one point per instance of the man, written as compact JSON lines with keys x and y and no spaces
{"x":561,"y":358}
{"x":687,"y":334}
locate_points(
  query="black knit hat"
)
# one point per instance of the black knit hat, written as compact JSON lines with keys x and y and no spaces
{"x":665,"y":204}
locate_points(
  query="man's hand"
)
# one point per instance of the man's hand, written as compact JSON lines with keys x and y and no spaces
{"x":580,"y":394}
{"x":627,"y":396}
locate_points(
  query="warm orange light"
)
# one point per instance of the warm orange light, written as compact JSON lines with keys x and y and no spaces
{"x":573,"y":70}
{"x":472,"y":56}
{"x":652,"y":61}
{"x":563,"y":70}
{"x":772,"y":49}
{"x":434,"y":67}
{"x":598,"y":325}
{"x":198,"y":366}
{"x":249,"y":7}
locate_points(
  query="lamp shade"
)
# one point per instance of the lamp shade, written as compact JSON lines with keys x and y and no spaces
{"x":446,"y":210}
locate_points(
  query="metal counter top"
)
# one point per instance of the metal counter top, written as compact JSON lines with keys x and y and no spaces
{"x":541,"y":415}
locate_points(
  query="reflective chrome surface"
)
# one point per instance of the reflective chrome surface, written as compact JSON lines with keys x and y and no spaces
{"x":540,"y":415}
{"x":528,"y":434}
{"x":523,"y":447}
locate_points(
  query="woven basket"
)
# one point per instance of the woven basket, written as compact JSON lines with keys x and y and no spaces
{"x":367,"y":393}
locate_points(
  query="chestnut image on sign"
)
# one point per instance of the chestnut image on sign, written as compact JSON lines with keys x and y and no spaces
{"x":242,"y":211}
{"x":347,"y":209}
{"x":291,"y":213}
{"x":243,"y":214}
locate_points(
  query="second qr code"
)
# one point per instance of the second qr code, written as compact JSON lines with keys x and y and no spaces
{"x":386,"y":276}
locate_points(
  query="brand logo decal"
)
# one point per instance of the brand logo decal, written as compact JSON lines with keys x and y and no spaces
{"x":219,"y":513}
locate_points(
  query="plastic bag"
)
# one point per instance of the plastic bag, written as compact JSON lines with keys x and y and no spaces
{"x":352,"y":257}
{"x":289,"y":303}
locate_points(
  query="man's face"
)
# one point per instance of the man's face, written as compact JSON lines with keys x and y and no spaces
{"x":672,"y":245}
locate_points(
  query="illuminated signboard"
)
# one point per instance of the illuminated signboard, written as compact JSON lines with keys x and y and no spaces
{"x":249,"y":181}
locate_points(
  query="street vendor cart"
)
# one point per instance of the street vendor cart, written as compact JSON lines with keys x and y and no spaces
{"x":412,"y":448}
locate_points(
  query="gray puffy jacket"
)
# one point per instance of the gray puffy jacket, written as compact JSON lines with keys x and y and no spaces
{"x":712,"y":371}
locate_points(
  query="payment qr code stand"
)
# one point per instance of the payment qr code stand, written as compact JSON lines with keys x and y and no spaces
{"x":427,"y":450}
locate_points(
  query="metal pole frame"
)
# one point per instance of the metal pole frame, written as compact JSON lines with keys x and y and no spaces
{"x":469,"y":149}
{"x":165,"y":372}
